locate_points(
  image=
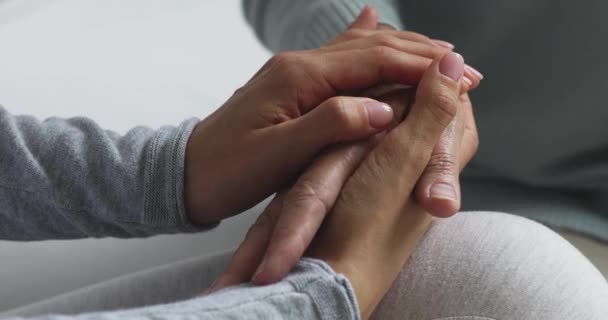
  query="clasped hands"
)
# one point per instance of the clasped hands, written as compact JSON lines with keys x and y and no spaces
{"x":357,"y":179}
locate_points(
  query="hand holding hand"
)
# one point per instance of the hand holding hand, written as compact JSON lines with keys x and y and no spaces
{"x":261,"y":139}
{"x":283,"y":232}
{"x":376,"y":221}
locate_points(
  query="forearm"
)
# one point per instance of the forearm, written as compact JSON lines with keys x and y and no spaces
{"x":311,"y":291}
{"x":72,"y":179}
{"x":295,"y":25}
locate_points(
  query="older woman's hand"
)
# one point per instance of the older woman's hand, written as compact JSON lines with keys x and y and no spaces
{"x":270,"y":130}
{"x":376,"y":223}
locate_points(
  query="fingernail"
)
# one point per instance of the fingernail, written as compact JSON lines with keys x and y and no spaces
{"x":452,"y":66}
{"x":258,"y":272}
{"x":443,"y":191}
{"x":443,"y":44}
{"x":474,"y":71}
{"x":272,"y":266}
{"x":467,"y":80}
{"x":379,"y":114}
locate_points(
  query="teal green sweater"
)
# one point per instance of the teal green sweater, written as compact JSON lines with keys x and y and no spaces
{"x":541,"y":110}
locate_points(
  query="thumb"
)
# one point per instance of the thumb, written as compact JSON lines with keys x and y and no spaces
{"x":367,"y":19}
{"x":338,"y":119}
{"x":437,"y":100}
{"x":288,"y":147}
{"x":406,"y":150}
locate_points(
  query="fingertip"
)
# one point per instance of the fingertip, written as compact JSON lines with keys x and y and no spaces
{"x":259,"y":275}
{"x":443,"y":44}
{"x":465,"y":87}
{"x":368,"y":11}
{"x":441,"y":208}
{"x":467,"y":81}
{"x":365,"y":9}
{"x":379,"y":114}
{"x":439,"y":200}
{"x":367,"y":18}
{"x":371,"y":11}
{"x":474,"y":71}
{"x":451,"y":65}
{"x":269,"y":271}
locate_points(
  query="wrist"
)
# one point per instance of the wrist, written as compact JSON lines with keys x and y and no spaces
{"x":367,"y":291}
{"x":372,"y":260}
{"x":196,"y":190}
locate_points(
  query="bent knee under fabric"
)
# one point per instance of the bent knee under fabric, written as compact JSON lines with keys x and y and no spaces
{"x":474,"y":266}
{"x":173,"y":282}
{"x":483,"y":265}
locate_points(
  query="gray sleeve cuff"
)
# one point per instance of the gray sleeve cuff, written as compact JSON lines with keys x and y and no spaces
{"x":311,"y":291}
{"x":164,"y":207}
{"x":334,"y":299}
{"x":313,"y":25}
{"x":330,"y":18}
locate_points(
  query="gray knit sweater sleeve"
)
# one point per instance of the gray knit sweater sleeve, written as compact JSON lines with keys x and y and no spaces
{"x":62,"y":179}
{"x":302,"y":24}
{"x":311,"y":291}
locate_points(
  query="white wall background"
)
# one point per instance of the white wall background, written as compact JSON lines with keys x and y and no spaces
{"x":123,"y":63}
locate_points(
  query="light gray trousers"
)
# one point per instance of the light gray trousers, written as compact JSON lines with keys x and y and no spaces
{"x":477,"y":265}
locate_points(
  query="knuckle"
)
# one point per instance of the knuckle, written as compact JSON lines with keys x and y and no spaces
{"x":442,"y":163}
{"x":290,"y":67}
{"x":284,"y":58}
{"x":382,"y":52}
{"x":264,"y":221}
{"x":400,"y":151}
{"x":385,"y":40}
{"x":287,"y":62}
{"x":339,"y":112}
{"x":418,"y":37}
{"x":238,"y":91}
{"x":304,"y":195}
{"x":355,"y":33}
{"x":444,"y":106}
{"x":389,"y":153}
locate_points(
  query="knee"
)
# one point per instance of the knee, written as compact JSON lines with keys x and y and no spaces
{"x":499,"y":266}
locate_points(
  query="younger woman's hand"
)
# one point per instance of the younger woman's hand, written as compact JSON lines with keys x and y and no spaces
{"x":261,"y":139}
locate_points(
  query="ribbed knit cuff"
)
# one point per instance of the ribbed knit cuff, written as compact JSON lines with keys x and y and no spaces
{"x":164,"y":209}
{"x":330,"y":18}
{"x":332,"y":293}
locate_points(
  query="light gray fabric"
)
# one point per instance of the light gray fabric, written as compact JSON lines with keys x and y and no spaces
{"x":477,"y":265}
{"x":541,"y":109}
{"x":290,"y":25}
{"x":71,"y":179}
{"x":596,"y":251}
{"x":496,"y":266}
{"x":311,"y":291}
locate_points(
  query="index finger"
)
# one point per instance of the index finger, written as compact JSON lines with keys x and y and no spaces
{"x":330,"y":73}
